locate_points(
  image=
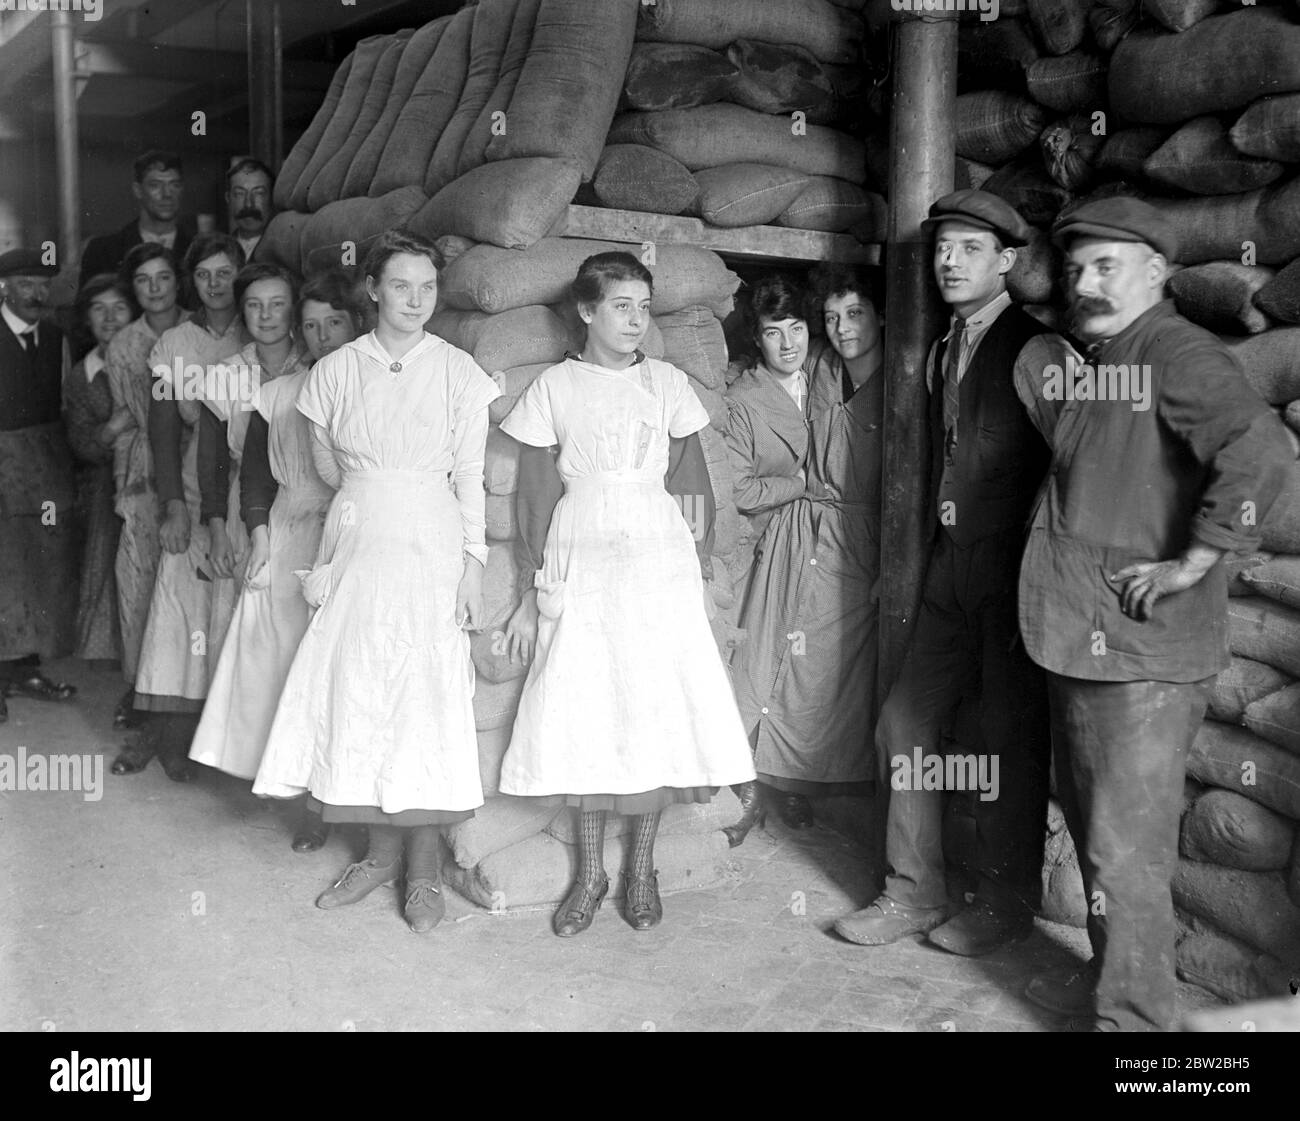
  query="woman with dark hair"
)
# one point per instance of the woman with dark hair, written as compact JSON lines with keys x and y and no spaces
{"x":627,"y":707}
{"x":376,"y":719}
{"x":805,"y":437}
{"x":104,"y":307}
{"x":265,"y":627}
{"x":189,"y":611}
{"x":150,"y":272}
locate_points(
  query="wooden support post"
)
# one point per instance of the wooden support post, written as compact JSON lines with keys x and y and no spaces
{"x":62,"y":45}
{"x":265,"y":82}
{"x":921,"y":165}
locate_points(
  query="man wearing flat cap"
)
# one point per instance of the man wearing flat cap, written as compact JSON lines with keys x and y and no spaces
{"x":1164,"y":460}
{"x":38,"y":532}
{"x":987,"y":462}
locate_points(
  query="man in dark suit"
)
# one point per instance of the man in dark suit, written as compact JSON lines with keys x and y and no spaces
{"x":158,"y":189}
{"x":38,"y":531}
{"x":986,"y":465}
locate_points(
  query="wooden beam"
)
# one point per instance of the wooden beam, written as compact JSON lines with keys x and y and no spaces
{"x":184,"y":64}
{"x":761,"y":243}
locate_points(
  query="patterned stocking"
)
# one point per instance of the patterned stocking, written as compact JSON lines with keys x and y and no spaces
{"x":591,"y":846}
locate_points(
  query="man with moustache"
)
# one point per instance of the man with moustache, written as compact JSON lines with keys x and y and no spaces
{"x":38,"y":533}
{"x":158,"y":189}
{"x":986,"y":464}
{"x":248,"y":202}
{"x":1122,"y":596}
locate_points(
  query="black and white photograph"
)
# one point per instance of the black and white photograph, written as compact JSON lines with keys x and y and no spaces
{"x":651,"y":516}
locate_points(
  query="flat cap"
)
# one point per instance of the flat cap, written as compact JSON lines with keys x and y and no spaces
{"x":1118,"y":218}
{"x":982,"y":210}
{"x":25,"y":262}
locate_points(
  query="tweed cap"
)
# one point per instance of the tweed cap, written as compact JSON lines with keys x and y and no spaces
{"x":982,"y":210}
{"x":1118,"y":218}
{"x":25,"y":262}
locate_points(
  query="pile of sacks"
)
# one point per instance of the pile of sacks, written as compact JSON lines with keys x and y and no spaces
{"x":509,"y":308}
{"x":1064,"y":100}
{"x":471,"y":125}
{"x":736,"y":111}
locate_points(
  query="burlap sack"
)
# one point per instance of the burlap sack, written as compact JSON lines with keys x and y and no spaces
{"x":334,"y":134}
{"x":1033,"y":276}
{"x":779,"y":78}
{"x":829,"y":32}
{"x":570,"y":84}
{"x":489,"y":648}
{"x":1276,"y":717}
{"x":994,"y":54}
{"x":1219,"y":296}
{"x":1215,"y":229}
{"x":1200,"y":158}
{"x":1266,"y":631}
{"x":694,"y":342}
{"x":1060,"y":24}
{"x":282,"y":240}
{"x":746,"y":194}
{"x":835,"y":205}
{"x":349,"y":224}
{"x":286,"y":183}
{"x":1237,"y":564}
{"x":1293,"y":877}
{"x":327,"y":185}
{"x":1111,"y":20}
{"x":1271,"y":361}
{"x":635,"y":177}
{"x":714,"y":404}
{"x":715,"y":135}
{"x":494,"y":114}
{"x":676,"y":76}
{"x":1236,"y":759}
{"x":1239,"y":685}
{"x":500,"y":522}
{"x":1157,"y":78}
{"x":994,"y":126}
{"x":1069,"y":149}
{"x":1225,"y":828}
{"x":523,"y":337}
{"x":500,"y":463}
{"x":971,"y":174}
{"x":1127,"y":150}
{"x":415,"y":59}
{"x":500,"y":822}
{"x":1179,"y":15}
{"x":1277,"y":578}
{"x":1063,"y":899}
{"x":512,"y":203}
{"x":496,"y":280}
{"x":1291,"y":416}
{"x":1229,"y":968}
{"x":1280,"y":530}
{"x":1252,"y":906}
{"x":426,"y":111}
{"x":492,"y":745}
{"x":1280,"y":297}
{"x":1071,"y":83}
{"x":1270,"y":129}
{"x":1034,"y":194}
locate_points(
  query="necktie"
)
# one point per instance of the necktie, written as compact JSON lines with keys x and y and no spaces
{"x":951,"y":388}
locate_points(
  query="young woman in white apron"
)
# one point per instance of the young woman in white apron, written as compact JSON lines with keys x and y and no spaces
{"x":376,"y":720}
{"x":627,"y":706}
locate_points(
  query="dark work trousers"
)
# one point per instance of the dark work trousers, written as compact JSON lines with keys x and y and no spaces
{"x":967,"y":638}
{"x":1120,"y":749}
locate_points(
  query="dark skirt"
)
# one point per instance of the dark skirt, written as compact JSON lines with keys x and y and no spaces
{"x":373,"y":815}
{"x":811,"y":789}
{"x":647,"y":802}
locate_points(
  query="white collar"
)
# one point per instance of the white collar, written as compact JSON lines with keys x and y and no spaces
{"x":19,"y":326}
{"x":94,"y":363}
{"x":985,"y":315}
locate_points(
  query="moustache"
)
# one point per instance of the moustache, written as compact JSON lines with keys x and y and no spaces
{"x":249,"y":212}
{"x":1091,"y":305}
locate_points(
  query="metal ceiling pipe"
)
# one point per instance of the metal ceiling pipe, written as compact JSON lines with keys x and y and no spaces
{"x":265,"y":82}
{"x":66,"y":141}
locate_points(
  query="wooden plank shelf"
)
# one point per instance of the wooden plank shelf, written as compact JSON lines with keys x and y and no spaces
{"x":776,"y":244}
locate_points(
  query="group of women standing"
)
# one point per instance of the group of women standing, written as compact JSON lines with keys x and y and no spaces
{"x":300,"y":552}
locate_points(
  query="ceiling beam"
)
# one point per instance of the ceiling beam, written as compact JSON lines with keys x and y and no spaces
{"x":182,"y":64}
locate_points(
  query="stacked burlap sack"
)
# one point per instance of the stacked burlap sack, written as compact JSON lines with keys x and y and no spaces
{"x":1195,"y":105}
{"x":480,"y":124}
{"x":738,"y":112}
{"x":510,"y":309}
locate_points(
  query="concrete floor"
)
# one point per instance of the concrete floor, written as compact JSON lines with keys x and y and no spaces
{"x":167,"y":907}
